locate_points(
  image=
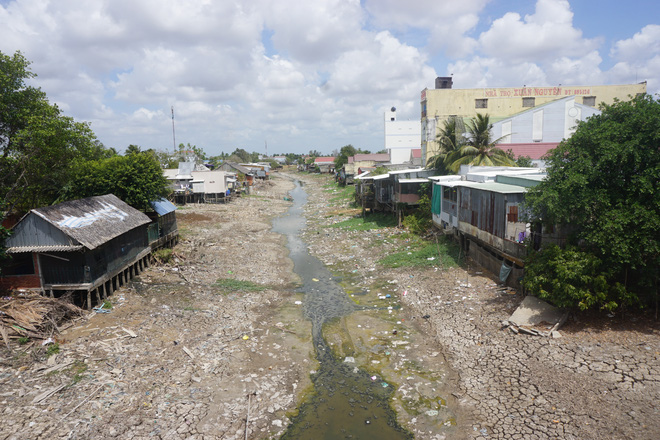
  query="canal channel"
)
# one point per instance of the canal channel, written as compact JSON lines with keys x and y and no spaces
{"x":347,"y":401}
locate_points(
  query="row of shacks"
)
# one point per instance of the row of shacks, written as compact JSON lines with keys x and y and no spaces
{"x":197,"y":183}
{"x":86,"y":248}
{"x":481,"y":206}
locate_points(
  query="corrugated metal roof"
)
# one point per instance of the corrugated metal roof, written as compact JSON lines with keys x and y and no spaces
{"x":162,"y":206}
{"x":94,"y":220}
{"x":18,"y":250}
{"x":418,"y":180}
{"x":381,"y":177}
{"x":409,"y":170}
{"x":445,"y":178}
{"x":324,"y":159}
{"x":501,"y":188}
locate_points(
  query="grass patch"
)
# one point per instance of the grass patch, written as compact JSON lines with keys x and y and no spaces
{"x":341,"y":194}
{"x":231,"y":285}
{"x":373,"y":221}
{"x":163,"y":256}
{"x":78,"y":369}
{"x":52,"y":349}
{"x":422,"y":253}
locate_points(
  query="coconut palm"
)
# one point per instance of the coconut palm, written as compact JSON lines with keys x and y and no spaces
{"x":480,"y":148}
{"x":450,"y":139}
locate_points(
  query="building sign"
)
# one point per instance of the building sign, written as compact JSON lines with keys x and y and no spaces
{"x":537,"y":91}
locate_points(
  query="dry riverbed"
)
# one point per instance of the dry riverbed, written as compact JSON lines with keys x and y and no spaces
{"x":193,"y":348}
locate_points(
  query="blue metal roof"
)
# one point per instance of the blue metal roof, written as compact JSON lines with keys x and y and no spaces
{"x":162,"y":206}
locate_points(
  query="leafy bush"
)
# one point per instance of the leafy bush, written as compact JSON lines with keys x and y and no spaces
{"x":420,"y":221}
{"x":573,"y":278}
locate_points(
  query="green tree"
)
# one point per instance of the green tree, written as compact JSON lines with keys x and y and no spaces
{"x":604,"y":181}
{"x":132,"y":149}
{"x":480,"y":149}
{"x":38,"y":145}
{"x":450,"y":139}
{"x":137,"y":179}
{"x":345,"y":152}
{"x":241,"y":154}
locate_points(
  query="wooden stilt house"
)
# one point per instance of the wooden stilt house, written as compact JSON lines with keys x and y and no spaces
{"x":89,"y":247}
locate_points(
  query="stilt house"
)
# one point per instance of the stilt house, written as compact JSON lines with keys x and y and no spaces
{"x":84,"y":246}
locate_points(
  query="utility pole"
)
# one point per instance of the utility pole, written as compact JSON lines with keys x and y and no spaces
{"x":173,"y":137}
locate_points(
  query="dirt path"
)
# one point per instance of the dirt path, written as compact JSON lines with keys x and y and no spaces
{"x":183,"y":356}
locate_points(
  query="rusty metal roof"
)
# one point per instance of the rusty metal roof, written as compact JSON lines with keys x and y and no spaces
{"x":88,"y":222}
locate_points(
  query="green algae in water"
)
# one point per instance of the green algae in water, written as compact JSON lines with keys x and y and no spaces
{"x":347,"y":404}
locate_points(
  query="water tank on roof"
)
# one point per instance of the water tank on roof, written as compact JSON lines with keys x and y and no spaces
{"x":444,"y":82}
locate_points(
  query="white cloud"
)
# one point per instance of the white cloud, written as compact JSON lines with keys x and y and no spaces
{"x":543,"y":36}
{"x":447,"y":23}
{"x":322,"y":79}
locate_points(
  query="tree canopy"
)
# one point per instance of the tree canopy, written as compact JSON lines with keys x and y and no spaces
{"x":480,"y":149}
{"x":38,"y":145}
{"x":346,"y":152}
{"x":450,"y":139}
{"x":136,"y":178}
{"x":604,"y":181}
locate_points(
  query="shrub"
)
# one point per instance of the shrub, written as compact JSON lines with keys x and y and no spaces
{"x":573,"y":278}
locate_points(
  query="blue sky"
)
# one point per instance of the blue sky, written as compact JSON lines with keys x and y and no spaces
{"x":305,"y":75}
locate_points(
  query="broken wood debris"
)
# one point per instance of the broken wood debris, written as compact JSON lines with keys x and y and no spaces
{"x":34,"y":316}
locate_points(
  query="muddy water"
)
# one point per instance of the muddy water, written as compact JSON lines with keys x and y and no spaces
{"x":347,"y":402}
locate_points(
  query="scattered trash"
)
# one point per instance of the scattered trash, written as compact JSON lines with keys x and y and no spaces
{"x":349,"y":360}
{"x":384,"y":384}
{"x":432,"y":413}
{"x":373,"y":378}
{"x":101,"y":310}
{"x":48,"y":341}
{"x":298,"y":303}
{"x":315,"y":280}
{"x":246,"y":337}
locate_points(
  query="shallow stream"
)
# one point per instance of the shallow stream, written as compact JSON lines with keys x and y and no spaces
{"x":347,"y":402}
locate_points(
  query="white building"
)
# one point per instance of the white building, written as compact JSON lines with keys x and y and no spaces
{"x":401,"y":137}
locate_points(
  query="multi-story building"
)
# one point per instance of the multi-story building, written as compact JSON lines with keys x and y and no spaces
{"x":401,"y":137}
{"x":444,"y":102}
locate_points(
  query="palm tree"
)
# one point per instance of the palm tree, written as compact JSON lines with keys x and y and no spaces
{"x":450,"y":139}
{"x":480,"y":149}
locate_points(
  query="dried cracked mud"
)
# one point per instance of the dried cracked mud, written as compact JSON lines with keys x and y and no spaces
{"x":181,"y":356}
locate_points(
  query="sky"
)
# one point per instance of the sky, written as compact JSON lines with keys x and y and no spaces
{"x":291,"y":76}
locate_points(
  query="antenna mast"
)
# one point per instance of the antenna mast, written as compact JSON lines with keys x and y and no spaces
{"x":173,"y":137}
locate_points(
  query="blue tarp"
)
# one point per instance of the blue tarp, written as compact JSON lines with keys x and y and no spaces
{"x":162,"y":206}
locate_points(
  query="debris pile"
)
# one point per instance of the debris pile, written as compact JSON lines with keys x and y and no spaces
{"x":34,"y":316}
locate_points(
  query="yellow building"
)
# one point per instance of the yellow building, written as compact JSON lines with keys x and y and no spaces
{"x":443,"y":102}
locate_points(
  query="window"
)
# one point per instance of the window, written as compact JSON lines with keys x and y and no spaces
{"x":512,"y":215}
{"x":20,"y":264}
{"x":529,"y":102}
{"x":481,"y":103}
{"x":449,"y":193}
{"x":589,"y":100}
